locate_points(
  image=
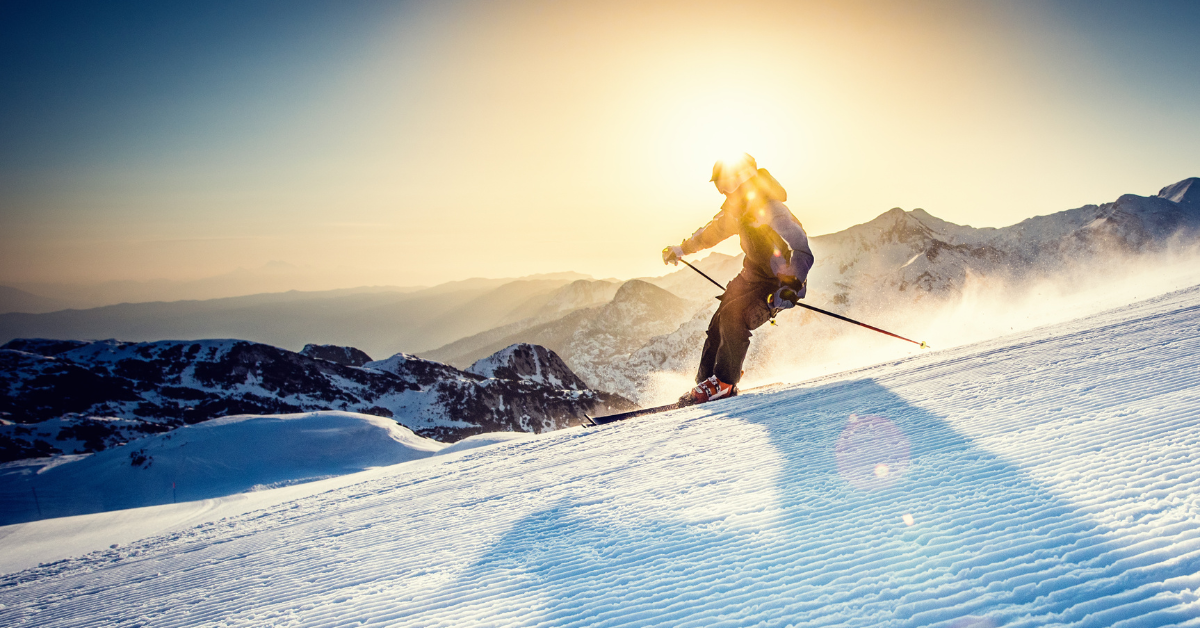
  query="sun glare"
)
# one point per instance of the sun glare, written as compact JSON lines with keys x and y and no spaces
{"x":706,"y":125}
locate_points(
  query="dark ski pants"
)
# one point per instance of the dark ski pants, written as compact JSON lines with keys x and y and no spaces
{"x":743,"y":308}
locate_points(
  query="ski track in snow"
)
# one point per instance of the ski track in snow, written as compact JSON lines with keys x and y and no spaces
{"x":1051,"y":478}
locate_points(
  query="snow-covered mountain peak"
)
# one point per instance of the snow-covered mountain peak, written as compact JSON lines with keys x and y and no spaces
{"x":947,"y":231}
{"x":923,"y":216}
{"x":418,"y":370}
{"x":1185,"y":193}
{"x":893,"y":226}
{"x":529,"y":362}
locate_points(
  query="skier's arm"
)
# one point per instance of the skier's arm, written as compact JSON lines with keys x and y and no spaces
{"x":708,"y":236}
{"x":792,"y":270}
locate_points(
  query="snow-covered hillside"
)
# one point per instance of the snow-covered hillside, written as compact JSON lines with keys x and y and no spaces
{"x":1043,"y":478}
{"x":211,"y":459}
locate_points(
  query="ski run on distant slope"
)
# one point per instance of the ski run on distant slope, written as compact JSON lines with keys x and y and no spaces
{"x":1048,"y":478}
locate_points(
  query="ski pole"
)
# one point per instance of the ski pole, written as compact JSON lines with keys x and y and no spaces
{"x":850,"y":320}
{"x":817,"y":309}
{"x":703,"y":275}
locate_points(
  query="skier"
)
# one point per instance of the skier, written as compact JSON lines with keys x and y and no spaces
{"x":773,"y":277}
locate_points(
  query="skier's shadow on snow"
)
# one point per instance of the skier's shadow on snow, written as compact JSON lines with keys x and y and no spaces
{"x":865,"y":510}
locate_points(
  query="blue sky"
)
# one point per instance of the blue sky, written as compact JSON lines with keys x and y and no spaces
{"x":421,"y":142}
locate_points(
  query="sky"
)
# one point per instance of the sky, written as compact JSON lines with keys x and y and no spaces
{"x":411,"y":143}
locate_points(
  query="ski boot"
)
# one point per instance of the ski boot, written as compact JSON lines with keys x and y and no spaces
{"x":710,"y":389}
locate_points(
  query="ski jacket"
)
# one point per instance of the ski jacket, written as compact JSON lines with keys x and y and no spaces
{"x":773,"y":240}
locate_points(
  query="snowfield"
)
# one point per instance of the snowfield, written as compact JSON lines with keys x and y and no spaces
{"x":212,"y":459}
{"x":1047,"y":478}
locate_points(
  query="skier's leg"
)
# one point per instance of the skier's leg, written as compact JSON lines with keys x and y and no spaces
{"x":735,"y":341}
{"x":743,"y":312}
{"x":708,"y":357}
{"x":712,"y":344}
{"x":728,"y":339}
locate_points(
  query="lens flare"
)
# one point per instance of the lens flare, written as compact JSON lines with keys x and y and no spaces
{"x":871,"y":452}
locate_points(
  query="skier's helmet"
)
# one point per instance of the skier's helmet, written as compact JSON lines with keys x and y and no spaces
{"x":742,"y":165}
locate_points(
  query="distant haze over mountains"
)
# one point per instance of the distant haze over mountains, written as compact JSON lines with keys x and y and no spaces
{"x":274,"y":277}
{"x":17,"y":300}
{"x":271,"y":277}
{"x":380,"y":322}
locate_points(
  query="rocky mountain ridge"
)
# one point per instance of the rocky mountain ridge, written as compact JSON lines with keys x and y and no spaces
{"x":348,"y":356}
{"x":912,"y":255}
{"x":532,"y":363}
{"x":76,"y":396}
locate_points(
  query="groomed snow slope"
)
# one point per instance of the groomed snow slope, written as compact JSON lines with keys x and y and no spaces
{"x":1050,"y":478}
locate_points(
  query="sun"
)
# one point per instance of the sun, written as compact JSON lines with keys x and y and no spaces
{"x":705,"y":125}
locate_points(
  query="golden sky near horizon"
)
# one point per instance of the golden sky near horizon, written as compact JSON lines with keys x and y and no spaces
{"x":439,"y":141}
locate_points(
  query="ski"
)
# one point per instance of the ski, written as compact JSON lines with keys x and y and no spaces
{"x":620,"y":416}
{"x":591,"y":421}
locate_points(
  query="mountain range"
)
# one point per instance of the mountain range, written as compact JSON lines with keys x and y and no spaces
{"x":617,"y":335}
{"x":911,"y":255}
{"x":17,"y":300}
{"x":66,"y":397}
{"x":902,"y":261}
